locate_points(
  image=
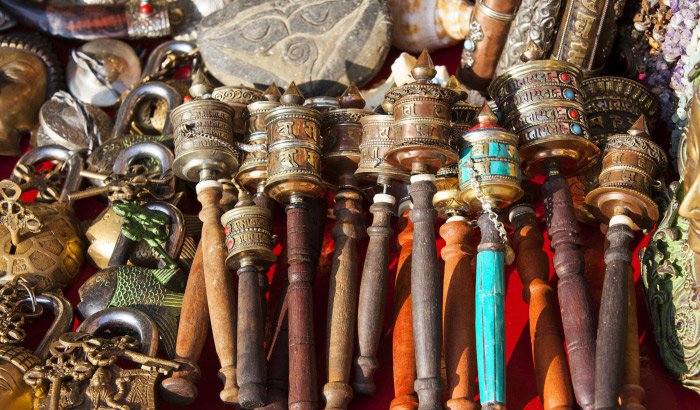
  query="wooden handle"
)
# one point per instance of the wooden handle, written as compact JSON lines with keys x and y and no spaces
{"x":220,"y":290}
{"x":278,"y":361}
{"x":251,"y":343}
{"x":548,"y":355}
{"x":342,"y":298}
{"x":490,"y":316}
{"x":574,"y":295}
{"x":425,"y":291}
{"x":631,"y":393}
{"x":192,"y":332}
{"x":402,"y":343}
{"x":458,"y":315}
{"x":612,"y":319}
{"x":370,"y":315}
{"x":302,"y":359}
{"x":263,"y":201}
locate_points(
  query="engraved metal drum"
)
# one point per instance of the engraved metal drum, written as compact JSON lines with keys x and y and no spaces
{"x":342,"y":133}
{"x":447,"y":200}
{"x":543,"y":105}
{"x":377,"y":139}
{"x":238,"y":97}
{"x":203,"y":133}
{"x":248,"y":237}
{"x":490,"y":163}
{"x":294,"y":167}
{"x":253,"y":171}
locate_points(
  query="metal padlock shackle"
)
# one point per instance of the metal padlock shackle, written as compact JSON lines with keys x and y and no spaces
{"x":173,"y":245}
{"x":152,"y":89}
{"x":160,"y":53}
{"x":124,"y":318}
{"x":149,"y":149}
{"x":62,"y":322}
{"x":72,"y":160}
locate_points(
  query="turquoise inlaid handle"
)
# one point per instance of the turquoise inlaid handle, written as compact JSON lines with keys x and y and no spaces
{"x":490,"y":315}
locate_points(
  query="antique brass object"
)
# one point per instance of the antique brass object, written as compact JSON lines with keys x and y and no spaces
{"x":33,"y":73}
{"x":377,"y":138}
{"x":238,"y":97}
{"x":253,"y":172}
{"x":83,"y":371}
{"x":52,"y":253}
{"x":19,"y":303}
{"x":447,"y":201}
{"x":322,"y":103}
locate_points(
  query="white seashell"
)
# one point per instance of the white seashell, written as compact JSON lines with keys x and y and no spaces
{"x":431,"y":24}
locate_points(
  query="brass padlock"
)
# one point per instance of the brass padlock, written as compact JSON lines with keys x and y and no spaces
{"x":156,"y":292}
{"x":102,"y":234}
{"x":83,"y":370}
{"x":19,"y":303}
{"x":41,"y":241}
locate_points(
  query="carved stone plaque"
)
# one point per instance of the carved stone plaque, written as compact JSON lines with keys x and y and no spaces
{"x":322,"y":45}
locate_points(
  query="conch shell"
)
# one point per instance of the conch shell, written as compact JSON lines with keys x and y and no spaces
{"x":431,"y":24}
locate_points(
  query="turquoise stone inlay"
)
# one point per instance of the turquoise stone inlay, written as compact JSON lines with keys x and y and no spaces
{"x":576,"y":129}
{"x":569,"y":94}
{"x":500,"y":168}
{"x":490,"y":326}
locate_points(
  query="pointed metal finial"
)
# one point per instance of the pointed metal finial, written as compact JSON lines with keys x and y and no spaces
{"x":272,"y":93}
{"x":532,"y":52}
{"x":639,"y":128}
{"x":424,"y":70}
{"x":292,"y":96}
{"x":200,"y":84}
{"x":351,"y":98}
{"x":244,"y":198}
{"x":487,"y":116}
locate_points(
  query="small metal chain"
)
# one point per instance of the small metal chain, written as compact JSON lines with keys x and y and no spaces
{"x":235,"y":147}
{"x":487,"y":206}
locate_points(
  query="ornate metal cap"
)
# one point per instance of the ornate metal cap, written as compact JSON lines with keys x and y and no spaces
{"x":294,"y":148}
{"x":544,"y":107}
{"x":489,"y":166}
{"x":238,"y":97}
{"x":630,"y":163}
{"x":447,"y":200}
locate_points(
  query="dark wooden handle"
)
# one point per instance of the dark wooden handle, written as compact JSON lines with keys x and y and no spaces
{"x":342,"y":298}
{"x":302,"y":359}
{"x":370,"y":315}
{"x":251,"y":343}
{"x":263,"y":201}
{"x":458,"y":314}
{"x":403,"y":351}
{"x":192,"y":332}
{"x":631,"y":393}
{"x":612,"y":319}
{"x":220,"y":291}
{"x":549,"y":357}
{"x":425,"y":291}
{"x":574,"y":295}
{"x":278,"y":360}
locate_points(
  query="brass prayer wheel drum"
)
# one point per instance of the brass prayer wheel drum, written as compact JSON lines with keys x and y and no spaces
{"x":630,"y":163}
{"x":253,"y":169}
{"x":613,"y":104}
{"x":238,"y":97}
{"x":489,"y":165}
{"x":377,"y":139}
{"x":203,"y":134}
{"x":545,"y":109}
{"x":342,"y":133}
{"x":464,"y":117}
{"x":294,"y":133}
{"x":447,"y":201}
{"x":422,"y":114}
{"x":248,"y":237}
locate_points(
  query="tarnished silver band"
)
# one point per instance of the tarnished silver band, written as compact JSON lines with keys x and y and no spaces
{"x":154,"y":24}
{"x":496,"y":15}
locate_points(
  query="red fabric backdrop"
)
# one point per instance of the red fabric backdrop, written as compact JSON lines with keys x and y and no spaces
{"x":661,"y":391}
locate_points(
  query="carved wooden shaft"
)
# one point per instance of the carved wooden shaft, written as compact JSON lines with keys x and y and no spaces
{"x":302,"y":359}
{"x":490,"y":316}
{"x":251,"y":343}
{"x":402,"y":343}
{"x":458,"y":314}
{"x":425,"y":291}
{"x":574,"y":295}
{"x":278,"y":361}
{"x":631,"y":393}
{"x":549,"y":357}
{"x":375,"y":277}
{"x":219,"y":287}
{"x":191,"y":335}
{"x":612,"y":320}
{"x":342,"y":298}
{"x":263,"y":201}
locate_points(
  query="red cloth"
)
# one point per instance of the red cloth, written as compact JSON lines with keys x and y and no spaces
{"x":661,"y":391}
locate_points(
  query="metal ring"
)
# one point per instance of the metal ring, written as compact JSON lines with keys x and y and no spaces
{"x":496,"y":15}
